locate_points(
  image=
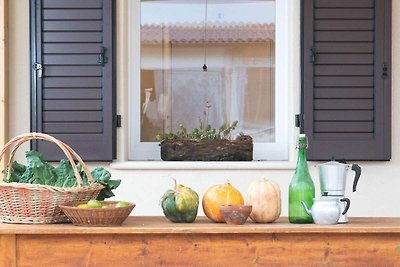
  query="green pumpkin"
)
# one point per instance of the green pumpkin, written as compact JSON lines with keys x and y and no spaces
{"x":181,"y":204}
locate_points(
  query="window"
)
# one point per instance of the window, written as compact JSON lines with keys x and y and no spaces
{"x":244,"y":45}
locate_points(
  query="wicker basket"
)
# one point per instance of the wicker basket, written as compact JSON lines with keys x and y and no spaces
{"x":34,"y":203}
{"x":111,"y":216}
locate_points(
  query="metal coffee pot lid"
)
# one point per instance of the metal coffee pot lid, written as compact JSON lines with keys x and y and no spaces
{"x":333,"y":163}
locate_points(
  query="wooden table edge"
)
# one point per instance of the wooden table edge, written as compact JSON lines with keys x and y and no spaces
{"x":159,"y":225}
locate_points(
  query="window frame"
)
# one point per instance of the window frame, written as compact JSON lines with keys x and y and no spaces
{"x":277,"y":151}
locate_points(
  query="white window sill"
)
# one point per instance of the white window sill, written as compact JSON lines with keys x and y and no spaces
{"x":204,"y":165}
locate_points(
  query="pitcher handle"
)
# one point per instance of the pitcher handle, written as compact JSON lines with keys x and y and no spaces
{"x":357,"y":169}
{"x":345,"y":199}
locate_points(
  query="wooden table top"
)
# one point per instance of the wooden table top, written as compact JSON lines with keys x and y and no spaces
{"x":160,"y":225}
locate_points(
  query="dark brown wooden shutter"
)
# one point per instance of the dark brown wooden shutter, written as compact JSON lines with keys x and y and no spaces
{"x":346,"y":88}
{"x":73,"y":96}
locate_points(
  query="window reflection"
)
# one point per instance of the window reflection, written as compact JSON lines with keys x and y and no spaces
{"x":239,"y":43}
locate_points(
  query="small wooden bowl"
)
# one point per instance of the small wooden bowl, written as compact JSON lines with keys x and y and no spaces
{"x":235,"y":214}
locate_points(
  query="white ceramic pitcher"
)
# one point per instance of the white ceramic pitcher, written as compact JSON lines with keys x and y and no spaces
{"x":326,"y":210}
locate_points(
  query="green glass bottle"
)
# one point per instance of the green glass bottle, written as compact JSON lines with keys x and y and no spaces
{"x":301,"y":187}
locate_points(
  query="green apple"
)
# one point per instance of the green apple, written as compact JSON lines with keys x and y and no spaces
{"x":94,"y":204}
{"x":122,"y":204}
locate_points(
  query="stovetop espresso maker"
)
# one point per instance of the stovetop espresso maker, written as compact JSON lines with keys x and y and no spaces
{"x":332,"y":178}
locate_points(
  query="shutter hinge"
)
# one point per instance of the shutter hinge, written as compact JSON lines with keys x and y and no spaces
{"x":102,"y":59}
{"x":299,"y":119}
{"x":38,"y":68}
{"x":385,"y":71}
{"x":118,"y":121}
{"x":313,"y":54}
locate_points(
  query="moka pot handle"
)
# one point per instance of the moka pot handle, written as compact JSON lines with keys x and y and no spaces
{"x":345,"y":199}
{"x":357,"y":169}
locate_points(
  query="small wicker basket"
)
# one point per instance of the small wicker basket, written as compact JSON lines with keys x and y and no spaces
{"x":34,"y":203}
{"x":110,"y":216}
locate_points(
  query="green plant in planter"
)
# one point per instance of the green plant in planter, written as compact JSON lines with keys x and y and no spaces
{"x":204,"y":132}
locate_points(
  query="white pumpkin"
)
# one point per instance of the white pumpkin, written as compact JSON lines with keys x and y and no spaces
{"x":265,"y":197}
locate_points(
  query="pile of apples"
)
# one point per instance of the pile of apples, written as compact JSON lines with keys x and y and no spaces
{"x":97,"y":204}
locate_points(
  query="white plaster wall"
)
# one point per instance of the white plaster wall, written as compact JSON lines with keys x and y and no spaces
{"x":378,"y":188}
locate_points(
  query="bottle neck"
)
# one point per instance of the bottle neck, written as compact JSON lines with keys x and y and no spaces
{"x":302,"y":160}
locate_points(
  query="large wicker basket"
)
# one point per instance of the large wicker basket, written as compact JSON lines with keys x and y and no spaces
{"x":34,"y":203}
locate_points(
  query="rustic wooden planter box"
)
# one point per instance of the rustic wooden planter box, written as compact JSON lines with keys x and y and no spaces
{"x":240,"y":149}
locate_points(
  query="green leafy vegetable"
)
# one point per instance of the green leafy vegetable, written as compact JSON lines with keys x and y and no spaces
{"x":40,"y":172}
{"x":65,"y":174}
{"x":102,"y":176}
{"x":37,"y":171}
{"x":18,"y":171}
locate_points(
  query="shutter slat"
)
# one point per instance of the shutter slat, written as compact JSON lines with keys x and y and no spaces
{"x":70,"y":59}
{"x":72,"y":116}
{"x":345,"y":92}
{"x":344,"y":81}
{"x":344,"y":70}
{"x":344,"y":104}
{"x":337,"y":47}
{"x":341,"y":13}
{"x":344,"y":36}
{"x":76,"y":93}
{"x":344,"y":126}
{"x":66,"y":71}
{"x":73,"y":82}
{"x":344,"y":3}
{"x":72,"y":105}
{"x":77,"y":25}
{"x":344,"y":115}
{"x":71,"y":48}
{"x":72,"y":4}
{"x":68,"y":127}
{"x":338,"y":25}
{"x":71,"y":14}
{"x":343,"y":138}
{"x":72,"y":37}
{"x":347,"y":59}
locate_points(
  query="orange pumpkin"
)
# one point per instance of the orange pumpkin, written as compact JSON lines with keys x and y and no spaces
{"x":218,"y":195}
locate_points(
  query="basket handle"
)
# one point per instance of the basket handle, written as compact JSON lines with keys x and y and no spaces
{"x":68,"y":154}
{"x":68,"y":151}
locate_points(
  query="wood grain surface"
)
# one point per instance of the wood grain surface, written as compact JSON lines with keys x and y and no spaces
{"x":8,"y":250}
{"x":209,"y":250}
